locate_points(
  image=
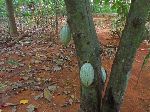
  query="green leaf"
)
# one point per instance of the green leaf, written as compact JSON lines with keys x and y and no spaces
{"x":96,"y":1}
{"x":107,"y":1}
{"x":114,"y":6}
{"x":13,"y":62}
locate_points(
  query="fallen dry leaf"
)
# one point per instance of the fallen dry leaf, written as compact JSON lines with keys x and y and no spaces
{"x":31,"y":108}
{"x":47,"y":94}
{"x":24,"y":101}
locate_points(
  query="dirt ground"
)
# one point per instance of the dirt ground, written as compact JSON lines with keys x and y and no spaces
{"x":34,"y":64}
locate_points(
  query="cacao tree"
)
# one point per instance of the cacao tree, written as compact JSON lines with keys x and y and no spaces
{"x":132,"y":36}
{"x":88,"y":51}
{"x":11,"y":17}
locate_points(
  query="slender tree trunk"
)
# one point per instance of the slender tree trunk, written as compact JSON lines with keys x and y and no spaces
{"x":131,"y":38}
{"x":12,"y":24}
{"x":56,"y":14}
{"x":88,"y":50}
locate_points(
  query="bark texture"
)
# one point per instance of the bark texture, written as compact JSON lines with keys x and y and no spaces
{"x":10,"y":11}
{"x":87,"y":48}
{"x":132,"y":36}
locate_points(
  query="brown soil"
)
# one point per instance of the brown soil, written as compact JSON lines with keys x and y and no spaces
{"x":38,"y":57}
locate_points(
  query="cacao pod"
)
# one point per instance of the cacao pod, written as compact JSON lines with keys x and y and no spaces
{"x":65,"y":35}
{"x":103,"y":74}
{"x":87,"y":74}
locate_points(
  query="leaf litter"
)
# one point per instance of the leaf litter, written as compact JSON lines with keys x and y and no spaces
{"x":35,"y":60}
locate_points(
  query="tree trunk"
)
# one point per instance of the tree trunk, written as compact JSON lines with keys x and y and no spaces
{"x":56,"y":19}
{"x":88,"y":50}
{"x":131,"y":38}
{"x":10,"y":11}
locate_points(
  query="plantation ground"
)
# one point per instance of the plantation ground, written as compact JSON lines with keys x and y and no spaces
{"x":36,"y":63}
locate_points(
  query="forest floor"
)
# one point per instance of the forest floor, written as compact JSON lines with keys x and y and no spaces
{"x":39,"y":74}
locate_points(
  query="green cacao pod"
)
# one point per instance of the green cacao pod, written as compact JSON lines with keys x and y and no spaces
{"x":65,"y":35}
{"x":87,"y":74}
{"x":104,"y":76}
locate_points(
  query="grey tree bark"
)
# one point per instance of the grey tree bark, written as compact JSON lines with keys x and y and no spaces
{"x":10,"y":11}
{"x":132,"y":36}
{"x":87,"y":48}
